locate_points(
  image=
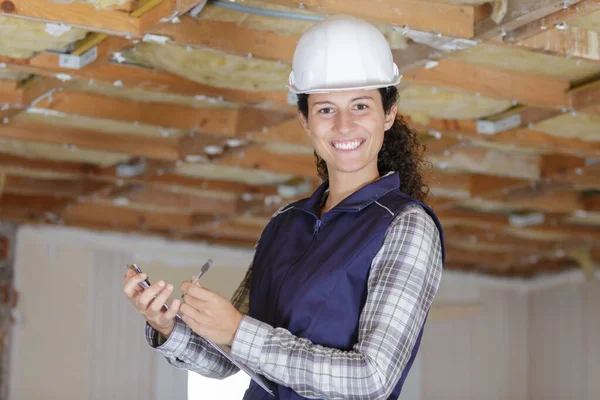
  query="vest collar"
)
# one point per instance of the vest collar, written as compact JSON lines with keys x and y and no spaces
{"x":356,"y":201}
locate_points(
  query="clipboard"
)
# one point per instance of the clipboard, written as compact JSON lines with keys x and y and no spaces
{"x":224,"y":350}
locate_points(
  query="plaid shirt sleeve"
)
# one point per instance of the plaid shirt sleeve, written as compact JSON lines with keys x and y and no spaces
{"x":185,"y":349}
{"x":403,"y":281}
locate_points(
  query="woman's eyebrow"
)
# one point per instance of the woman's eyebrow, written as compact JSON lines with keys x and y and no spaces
{"x":354,"y":99}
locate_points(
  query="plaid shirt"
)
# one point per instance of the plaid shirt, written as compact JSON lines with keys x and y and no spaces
{"x":403,"y":280}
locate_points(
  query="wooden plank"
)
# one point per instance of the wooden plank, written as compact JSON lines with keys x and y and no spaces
{"x":545,"y":24}
{"x":518,"y":137}
{"x":585,"y":95}
{"x":114,"y":20}
{"x":212,"y":120}
{"x":495,"y":83}
{"x":67,"y":168}
{"x":289,"y":131}
{"x":229,"y":37}
{"x":159,"y":148}
{"x":555,"y":164}
{"x":492,"y":187}
{"x":184,"y":202}
{"x":124,"y":217}
{"x":592,"y":203}
{"x":519,"y":13}
{"x":572,"y":42}
{"x":11,"y":93}
{"x":257,"y":157}
{"x":75,"y":14}
{"x":38,"y":204}
{"x":52,"y":187}
{"x":448,"y":19}
{"x":147,"y":79}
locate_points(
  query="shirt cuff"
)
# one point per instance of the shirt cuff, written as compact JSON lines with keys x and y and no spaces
{"x":248,"y":341}
{"x":175,"y":345}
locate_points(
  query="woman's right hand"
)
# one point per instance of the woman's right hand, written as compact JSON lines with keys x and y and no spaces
{"x":150,"y":307}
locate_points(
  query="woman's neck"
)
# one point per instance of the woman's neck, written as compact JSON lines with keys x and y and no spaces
{"x":342,"y":185}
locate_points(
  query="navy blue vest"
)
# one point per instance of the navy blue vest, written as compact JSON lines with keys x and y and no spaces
{"x":310,"y":274}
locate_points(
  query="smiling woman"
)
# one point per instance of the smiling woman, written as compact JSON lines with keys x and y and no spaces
{"x":334,"y":303}
{"x":355,"y":118}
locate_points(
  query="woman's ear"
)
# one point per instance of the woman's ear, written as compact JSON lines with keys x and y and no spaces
{"x":391,"y":117}
{"x":303,"y":121}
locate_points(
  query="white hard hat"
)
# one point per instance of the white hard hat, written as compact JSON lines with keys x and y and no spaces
{"x":342,"y":53}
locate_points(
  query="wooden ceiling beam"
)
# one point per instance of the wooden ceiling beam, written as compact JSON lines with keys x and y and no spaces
{"x":158,"y":148}
{"x":91,"y":18}
{"x":69,"y":188}
{"x":448,"y":19}
{"x":501,"y":224}
{"x":126,"y":217}
{"x":213,"y":120}
{"x":547,"y":23}
{"x":495,"y":83}
{"x":465,"y":130}
{"x":572,"y":42}
{"x":229,"y":37}
{"x":256,"y":156}
{"x":136,"y":77}
{"x":518,"y":14}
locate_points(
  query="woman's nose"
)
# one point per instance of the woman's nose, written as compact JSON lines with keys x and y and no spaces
{"x":343,"y":123}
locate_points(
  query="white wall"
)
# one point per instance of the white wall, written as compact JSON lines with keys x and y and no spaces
{"x":77,"y":337}
{"x":565,"y":342}
{"x":478,"y":356}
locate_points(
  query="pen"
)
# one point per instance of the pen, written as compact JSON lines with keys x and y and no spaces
{"x":203,"y":270}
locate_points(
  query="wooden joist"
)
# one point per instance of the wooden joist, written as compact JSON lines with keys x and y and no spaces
{"x":545,"y":24}
{"x":86,"y":16}
{"x":495,"y":83}
{"x":448,"y":19}
{"x":159,"y":148}
{"x":129,"y":76}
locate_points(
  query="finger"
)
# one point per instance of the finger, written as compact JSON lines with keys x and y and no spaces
{"x":148,"y":295}
{"x":129,"y":274}
{"x":198,"y":305}
{"x":162,"y":297}
{"x":132,"y":283}
{"x":186,"y":309}
{"x":172,"y":311}
{"x":199,"y":293}
{"x":191,"y":322}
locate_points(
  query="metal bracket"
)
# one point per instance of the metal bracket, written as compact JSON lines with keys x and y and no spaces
{"x":77,"y":62}
{"x":493,"y":127}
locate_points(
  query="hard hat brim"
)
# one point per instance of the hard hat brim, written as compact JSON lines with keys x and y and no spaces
{"x":292,"y":88}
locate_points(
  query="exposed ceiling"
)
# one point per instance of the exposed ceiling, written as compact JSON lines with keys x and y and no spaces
{"x":171,"y":117}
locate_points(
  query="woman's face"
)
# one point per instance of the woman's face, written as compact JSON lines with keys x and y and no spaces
{"x":347,"y":128}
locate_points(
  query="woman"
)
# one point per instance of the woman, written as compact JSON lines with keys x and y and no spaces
{"x":335,"y":300}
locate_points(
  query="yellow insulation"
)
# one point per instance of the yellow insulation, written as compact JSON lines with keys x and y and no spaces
{"x":21,"y":38}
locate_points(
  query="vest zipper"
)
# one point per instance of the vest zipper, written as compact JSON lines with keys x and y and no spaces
{"x":312,"y":242}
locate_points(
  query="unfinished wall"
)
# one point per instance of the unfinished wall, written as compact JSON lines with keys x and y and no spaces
{"x":478,"y":356}
{"x":564,"y":348}
{"x":78,"y":338}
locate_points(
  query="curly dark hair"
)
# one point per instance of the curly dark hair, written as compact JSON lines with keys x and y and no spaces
{"x":401,"y":150}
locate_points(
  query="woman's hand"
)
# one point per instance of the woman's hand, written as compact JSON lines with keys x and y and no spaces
{"x":150,"y":307}
{"x":209,"y":314}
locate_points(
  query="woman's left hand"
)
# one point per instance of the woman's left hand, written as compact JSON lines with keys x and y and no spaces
{"x":209,"y":314}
